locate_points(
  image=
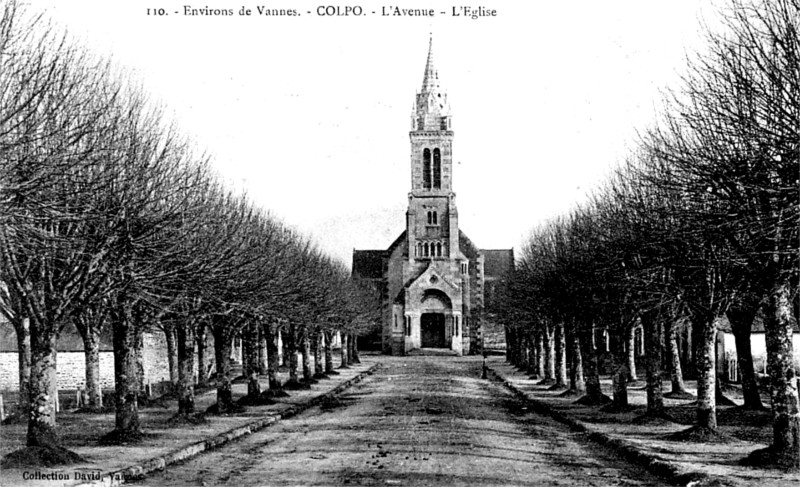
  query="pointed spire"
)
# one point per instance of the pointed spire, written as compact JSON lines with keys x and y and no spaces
{"x":431,"y":110}
{"x":430,"y":81}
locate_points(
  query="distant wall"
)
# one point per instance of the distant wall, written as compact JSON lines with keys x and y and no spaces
{"x":494,"y":335}
{"x":71,"y":366}
{"x":71,"y":370}
{"x":758,"y":348}
{"x":156,"y":363}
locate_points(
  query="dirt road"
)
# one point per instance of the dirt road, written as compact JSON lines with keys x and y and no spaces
{"x":425,"y":420}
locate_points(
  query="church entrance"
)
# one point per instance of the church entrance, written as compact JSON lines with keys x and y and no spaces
{"x":432,"y":328}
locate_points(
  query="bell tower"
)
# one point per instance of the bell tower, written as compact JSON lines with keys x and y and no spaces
{"x":432,"y":277}
{"x":432,"y":218}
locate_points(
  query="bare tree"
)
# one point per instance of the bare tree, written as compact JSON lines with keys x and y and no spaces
{"x":734,"y":138}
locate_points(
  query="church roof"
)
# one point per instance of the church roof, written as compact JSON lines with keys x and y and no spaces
{"x":498,"y":262}
{"x":371,"y":264}
{"x":467,"y":247}
{"x":368,"y":264}
{"x":403,"y":238}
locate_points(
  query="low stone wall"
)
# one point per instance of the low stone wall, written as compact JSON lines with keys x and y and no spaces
{"x":71,"y":366}
{"x":71,"y":370}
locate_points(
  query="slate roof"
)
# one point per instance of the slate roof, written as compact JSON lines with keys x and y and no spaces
{"x":371,"y":264}
{"x":758,"y":324}
{"x":69,"y":340}
{"x":368,"y":264}
{"x":400,"y":240}
{"x":466,"y":246}
{"x":498,"y":262}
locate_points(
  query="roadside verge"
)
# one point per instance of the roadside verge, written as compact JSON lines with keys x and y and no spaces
{"x":119,"y":476}
{"x":633,"y":451}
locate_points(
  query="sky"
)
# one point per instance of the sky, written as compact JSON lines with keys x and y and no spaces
{"x":310,"y":114}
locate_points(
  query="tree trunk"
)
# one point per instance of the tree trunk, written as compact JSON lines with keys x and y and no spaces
{"x":522,"y":350}
{"x":354,"y":349}
{"x":263,"y":362}
{"x":306,"y":351}
{"x":530,"y":345}
{"x":549,"y":355}
{"x":541,"y":360}
{"x":343,"y":351}
{"x":785,"y":448}
{"x":519,"y":350}
{"x":316,"y":349}
{"x":172,"y":352}
{"x":22,"y":327}
{"x":223,"y":345}
{"x":246,"y":345}
{"x":126,"y":420}
{"x":185,"y":332}
{"x":704,"y":339}
{"x":273,"y":362}
{"x":290,"y":338}
{"x":675,"y":370}
{"x":741,"y":318}
{"x":577,"y":384}
{"x":591,"y":371}
{"x":652,"y":333}
{"x":139,"y":358}
{"x":561,"y":356}
{"x":202,"y":366}
{"x":42,"y":388}
{"x":329,"y":352}
{"x":619,"y":362}
{"x":284,"y":341}
{"x":89,"y":322}
{"x":91,"y":350}
{"x":630,"y":349}
{"x":687,"y":351}
{"x":250,"y":346}
{"x":509,"y":341}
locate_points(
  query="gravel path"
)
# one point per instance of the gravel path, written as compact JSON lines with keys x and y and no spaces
{"x":422,"y":420}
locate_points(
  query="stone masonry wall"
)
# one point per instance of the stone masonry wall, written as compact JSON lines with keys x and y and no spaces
{"x":71,"y":370}
{"x":156,"y":364}
{"x":71,"y":366}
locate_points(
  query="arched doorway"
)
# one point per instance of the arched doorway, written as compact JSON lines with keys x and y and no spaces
{"x":433,"y":330}
{"x":436,"y":306}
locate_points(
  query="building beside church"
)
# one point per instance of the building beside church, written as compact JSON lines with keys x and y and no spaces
{"x":437,"y":287}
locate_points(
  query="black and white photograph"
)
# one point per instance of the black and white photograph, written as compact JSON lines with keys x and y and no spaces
{"x":411,"y":244}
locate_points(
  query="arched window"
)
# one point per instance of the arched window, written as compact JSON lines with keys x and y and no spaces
{"x":426,"y":169}
{"x":425,"y":249}
{"x":438,"y":249}
{"x":435,"y":218}
{"x":437,"y":169}
{"x":419,"y":249}
{"x":430,"y":218}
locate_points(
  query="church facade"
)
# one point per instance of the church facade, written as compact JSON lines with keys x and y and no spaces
{"x":434,"y":281}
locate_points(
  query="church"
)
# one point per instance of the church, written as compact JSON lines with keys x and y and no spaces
{"x":438,"y":289}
